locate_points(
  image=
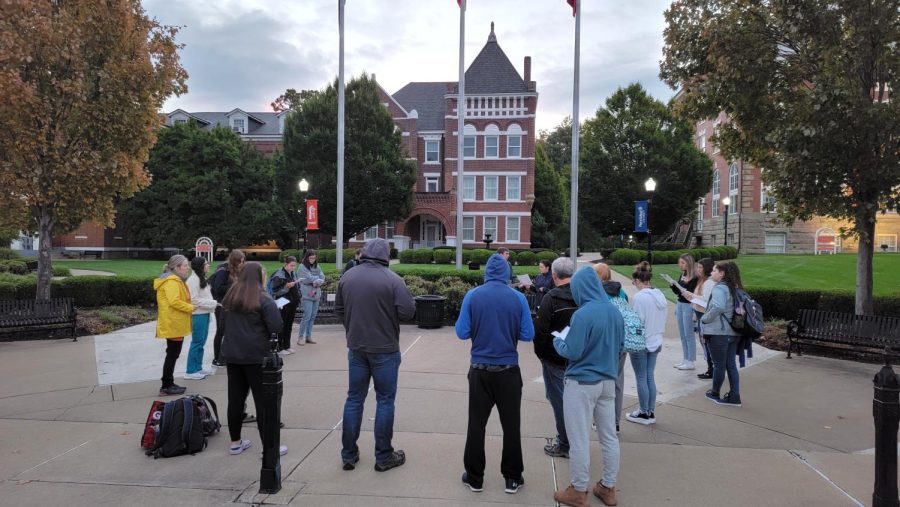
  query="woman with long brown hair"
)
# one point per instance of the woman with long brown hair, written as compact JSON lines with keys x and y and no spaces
{"x":173,"y":301}
{"x":220,"y":282}
{"x":723,"y":340}
{"x":311,"y":280}
{"x":251,"y":318}
{"x":684,"y":314}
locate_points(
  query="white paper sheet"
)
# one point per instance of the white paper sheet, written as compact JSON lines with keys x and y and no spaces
{"x":561,"y":334}
{"x":280,"y":302}
{"x":699,"y":302}
{"x":524,"y":279}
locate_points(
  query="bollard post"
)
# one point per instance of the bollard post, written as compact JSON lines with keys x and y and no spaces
{"x":270,"y":473}
{"x":886,"y":412}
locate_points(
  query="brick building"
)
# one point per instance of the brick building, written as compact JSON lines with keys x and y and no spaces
{"x":498,"y":187}
{"x":751,"y":214}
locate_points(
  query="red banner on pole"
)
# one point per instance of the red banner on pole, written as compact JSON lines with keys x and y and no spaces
{"x":312,"y":215}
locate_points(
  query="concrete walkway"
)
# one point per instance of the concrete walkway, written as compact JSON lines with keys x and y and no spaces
{"x":71,"y":416}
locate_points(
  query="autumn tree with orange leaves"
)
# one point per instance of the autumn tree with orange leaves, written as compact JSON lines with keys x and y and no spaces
{"x":81,"y":84}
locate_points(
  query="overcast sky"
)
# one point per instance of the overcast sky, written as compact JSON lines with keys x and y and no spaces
{"x":244,"y":53}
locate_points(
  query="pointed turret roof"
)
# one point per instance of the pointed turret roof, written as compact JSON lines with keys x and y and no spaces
{"x":492,"y":72}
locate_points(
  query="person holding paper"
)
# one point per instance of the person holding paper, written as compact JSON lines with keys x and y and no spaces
{"x":683,"y":312}
{"x":595,"y":339}
{"x":204,"y":304}
{"x":543,"y":283}
{"x":287,"y":297}
{"x":311,"y":280}
{"x":699,"y":301}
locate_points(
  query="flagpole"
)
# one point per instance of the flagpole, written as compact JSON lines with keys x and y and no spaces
{"x":573,"y":233}
{"x":340,"y":140}
{"x":460,"y":129}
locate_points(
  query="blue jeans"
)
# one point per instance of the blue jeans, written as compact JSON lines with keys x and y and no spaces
{"x":199,"y":331}
{"x":310,"y":309}
{"x":684,"y":314}
{"x":723,"y":349}
{"x":554,"y":386}
{"x":383,"y":370}
{"x":644,"y":363}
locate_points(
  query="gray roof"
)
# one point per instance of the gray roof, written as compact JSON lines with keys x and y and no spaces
{"x":490,"y":72}
{"x":269,"y":128}
{"x":428,"y":100}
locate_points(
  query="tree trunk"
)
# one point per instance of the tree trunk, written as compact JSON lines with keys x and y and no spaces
{"x":865,"y":225}
{"x":45,"y":268}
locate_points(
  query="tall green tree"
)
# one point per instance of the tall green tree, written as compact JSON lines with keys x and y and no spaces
{"x":550,"y":210}
{"x":558,"y":145}
{"x":632,"y":138}
{"x":291,"y":99}
{"x":806,"y":86}
{"x":378,"y":178}
{"x":205,"y":183}
{"x":81,"y":84}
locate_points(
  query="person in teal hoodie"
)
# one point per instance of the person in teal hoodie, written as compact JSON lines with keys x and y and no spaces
{"x":592,"y":346}
{"x":495,"y":318}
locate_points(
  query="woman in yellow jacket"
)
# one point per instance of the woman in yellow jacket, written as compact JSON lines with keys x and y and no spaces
{"x":174,"y":322}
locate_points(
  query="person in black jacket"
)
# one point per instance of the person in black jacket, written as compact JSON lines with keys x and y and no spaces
{"x":354,"y":261}
{"x":251,"y":317}
{"x":219,"y":283}
{"x":284,"y":285}
{"x":554,"y":314}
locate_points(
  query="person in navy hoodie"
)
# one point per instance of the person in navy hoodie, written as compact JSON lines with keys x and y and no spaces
{"x":495,"y":317}
{"x":592,"y":346}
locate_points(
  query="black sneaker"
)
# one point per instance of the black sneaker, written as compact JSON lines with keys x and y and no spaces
{"x":730,"y":400}
{"x":705,"y":376}
{"x":216,"y":362}
{"x":713,"y":396}
{"x":476,"y":487}
{"x":513,"y":485}
{"x":172,"y":390}
{"x":556,"y":451}
{"x":396,"y":459}
{"x":350,"y":465}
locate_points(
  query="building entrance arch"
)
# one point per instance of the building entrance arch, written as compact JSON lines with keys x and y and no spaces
{"x":827,"y":241}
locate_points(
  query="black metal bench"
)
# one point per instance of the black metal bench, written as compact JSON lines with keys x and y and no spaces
{"x":54,"y":313}
{"x":859,"y":333}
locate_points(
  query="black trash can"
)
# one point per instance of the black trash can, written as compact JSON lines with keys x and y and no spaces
{"x":430,"y":311}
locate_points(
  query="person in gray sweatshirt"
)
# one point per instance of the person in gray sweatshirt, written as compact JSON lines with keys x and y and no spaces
{"x":371,"y":301}
{"x":650,"y":304}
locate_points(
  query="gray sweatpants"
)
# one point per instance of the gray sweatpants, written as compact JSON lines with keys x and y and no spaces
{"x":581,"y":404}
{"x":620,"y":386}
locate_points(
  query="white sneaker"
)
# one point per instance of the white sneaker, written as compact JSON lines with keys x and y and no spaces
{"x":688,"y":365}
{"x":679,"y":365}
{"x":292,"y":351}
{"x":640,"y":418}
{"x":208,"y":371}
{"x":195,"y":376}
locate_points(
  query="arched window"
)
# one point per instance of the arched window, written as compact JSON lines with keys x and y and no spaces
{"x":469,"y":141}
{"x":733,"y":182}
{"x":715,"y":194}
{"x":491,"y":141}
{"x":513,"y":141}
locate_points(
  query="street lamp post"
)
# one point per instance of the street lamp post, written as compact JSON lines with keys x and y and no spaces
{"x":650,"y":187}
{"x":304,"y":188}
{"x":727,"y":202}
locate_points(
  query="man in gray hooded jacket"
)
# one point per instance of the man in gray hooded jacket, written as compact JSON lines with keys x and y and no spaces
{"x":371,"y":301}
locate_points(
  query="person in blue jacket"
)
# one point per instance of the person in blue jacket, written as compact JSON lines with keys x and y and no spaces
{"x":495,"y":317}
{"x":592,"y":346}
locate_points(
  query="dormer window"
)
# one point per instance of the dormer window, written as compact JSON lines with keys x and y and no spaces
{"x":238,"y":125}
{"x":180,"y":121}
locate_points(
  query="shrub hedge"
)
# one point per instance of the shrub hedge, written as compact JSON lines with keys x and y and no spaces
{"x":627,"y":256}
{"x":526,"y":258}
{"x":547,"y":255}
{"x":88,"y":291}
{"x":9,"y":254}
{"x":16,"y":267}
{"x":444,"y":256}
{"x":785,"y":304}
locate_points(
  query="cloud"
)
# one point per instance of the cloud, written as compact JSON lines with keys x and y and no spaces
{"x":245,"y":53}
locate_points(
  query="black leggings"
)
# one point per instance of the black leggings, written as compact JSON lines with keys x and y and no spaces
{"x":243,"y":378}
{"x":173,"y":350}
{"x":287,"y":317}
{"x":220,"y":332}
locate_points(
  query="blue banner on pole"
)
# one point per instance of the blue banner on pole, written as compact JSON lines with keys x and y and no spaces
{"x":640,"y":216}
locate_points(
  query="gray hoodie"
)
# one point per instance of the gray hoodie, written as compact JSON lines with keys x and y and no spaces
{"x":371,"y":301}
{"x":650,"y":305}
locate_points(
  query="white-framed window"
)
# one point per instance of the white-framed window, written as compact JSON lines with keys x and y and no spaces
{"x":715,"y":194}
{"x":468,"y":188}
{"x":514,"y":141}
{"x":490,"y":188}
{"x":491,"y":141}
{"x":468,"y":231}
{"x":699,"y":224}
{"x":180,"y":121}
{"x":715,"y":133}
{"x":389,"y":227}
{"x":512,"y":229}
{"x":371,"y":232}
{"x":733,"y":182}
{"x":701,"y":140}
{"x":469,"y":141}
{"x":432,"y":152}
{"x":237,"y":125}
{"x":432,"y":184}
{"x":886,"y":240}
{"x":513,"y":188}
{"x":775,"y":242}
{"x":490,"y":227}
{"x":767,"y":203}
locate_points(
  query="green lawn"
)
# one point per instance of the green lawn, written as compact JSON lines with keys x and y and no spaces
{"x":801,"y":272}
{"x":133,"y":267}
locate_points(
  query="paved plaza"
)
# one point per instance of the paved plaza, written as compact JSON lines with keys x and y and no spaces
{"x":71,"y":417}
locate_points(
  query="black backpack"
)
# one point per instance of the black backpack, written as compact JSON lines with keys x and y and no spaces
{"x":180,"y":430}
{"x":209,"y":414}
{"x":748,"y":316}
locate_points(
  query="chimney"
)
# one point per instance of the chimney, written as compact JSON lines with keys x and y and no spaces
{"x":527,"y":69}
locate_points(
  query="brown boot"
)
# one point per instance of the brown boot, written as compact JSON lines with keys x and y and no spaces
{"x":606,"y":495}
{"x":571,"y":496}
